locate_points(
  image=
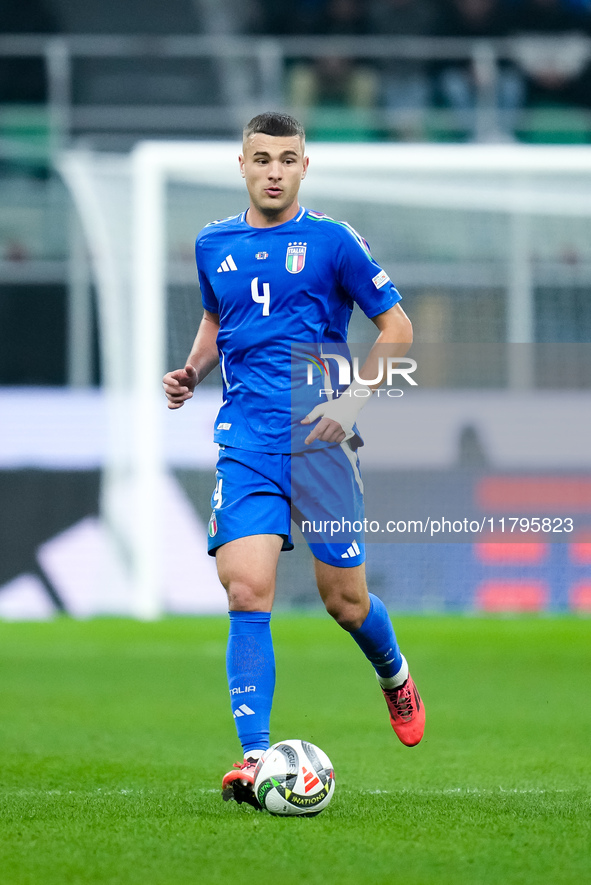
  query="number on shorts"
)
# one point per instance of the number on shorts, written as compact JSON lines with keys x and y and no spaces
{"x":217,"y":495}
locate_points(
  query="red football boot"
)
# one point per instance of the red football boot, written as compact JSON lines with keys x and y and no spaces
{"x":238,"y":784}
{"x":407,"y":713}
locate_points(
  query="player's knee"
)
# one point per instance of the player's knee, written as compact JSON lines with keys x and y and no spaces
{"x":349,"y":615}
{"x":247,"y":595}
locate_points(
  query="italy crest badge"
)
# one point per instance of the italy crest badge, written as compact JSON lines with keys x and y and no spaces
{"x":296,"y":257}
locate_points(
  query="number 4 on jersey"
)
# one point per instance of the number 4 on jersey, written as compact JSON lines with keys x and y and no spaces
{"x":265,"y":298}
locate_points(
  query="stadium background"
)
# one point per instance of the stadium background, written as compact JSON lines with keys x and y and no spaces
{"x":105,"y":76}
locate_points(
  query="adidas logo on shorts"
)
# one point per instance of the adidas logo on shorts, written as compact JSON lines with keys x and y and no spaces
{"x":227,"y":264}
{"x":351,"y":551}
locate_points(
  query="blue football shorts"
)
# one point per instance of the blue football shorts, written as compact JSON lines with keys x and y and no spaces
{"x":320,"y":489}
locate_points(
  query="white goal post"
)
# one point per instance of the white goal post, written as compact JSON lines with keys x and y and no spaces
{"x":127,"y":234}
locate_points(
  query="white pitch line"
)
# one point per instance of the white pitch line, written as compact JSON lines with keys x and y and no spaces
{"x":451,"y":791}
{"x":458,"y":791}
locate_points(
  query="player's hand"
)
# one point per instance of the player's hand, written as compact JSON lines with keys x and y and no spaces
{"x":327,"y":429}
{"x":179,"y":385}
{"x":337,"y":416}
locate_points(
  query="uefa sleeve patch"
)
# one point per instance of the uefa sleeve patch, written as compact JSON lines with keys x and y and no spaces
{"x":380,"y":279}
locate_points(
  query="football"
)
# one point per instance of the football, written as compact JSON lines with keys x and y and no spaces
{"x":294,"y":778}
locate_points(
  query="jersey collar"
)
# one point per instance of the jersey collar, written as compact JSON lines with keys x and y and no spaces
{"x":295,"y":220}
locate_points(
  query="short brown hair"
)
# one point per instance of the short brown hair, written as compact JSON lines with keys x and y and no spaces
{"x":275,"y":124}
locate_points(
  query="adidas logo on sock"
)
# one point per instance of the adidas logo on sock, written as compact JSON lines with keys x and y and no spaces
{"x":351,"y":551}
{"x":227,"y":264}
{"x":243,"y":710}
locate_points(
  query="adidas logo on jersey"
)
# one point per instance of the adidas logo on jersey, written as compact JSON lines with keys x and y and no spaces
{"x":227,"y":264}
{"x":351,"y":551}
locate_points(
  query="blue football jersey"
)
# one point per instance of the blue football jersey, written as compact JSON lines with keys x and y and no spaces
{"x":279,"y":290}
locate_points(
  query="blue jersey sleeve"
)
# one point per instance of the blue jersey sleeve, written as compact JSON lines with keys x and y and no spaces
{"x":208,"y":297}
{"x":361,"y":277}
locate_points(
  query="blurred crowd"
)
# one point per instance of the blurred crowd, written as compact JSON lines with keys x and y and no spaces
{"x":549,"y":65}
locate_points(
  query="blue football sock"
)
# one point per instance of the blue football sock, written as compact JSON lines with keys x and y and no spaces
{"x":377,"y":640}
{"x":250,"y":665}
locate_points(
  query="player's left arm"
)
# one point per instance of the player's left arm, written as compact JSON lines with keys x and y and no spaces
{"x":394,"y":340}
{"x":338,"y":416}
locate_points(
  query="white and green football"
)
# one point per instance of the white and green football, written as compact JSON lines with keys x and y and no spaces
{"x":294,"y":778}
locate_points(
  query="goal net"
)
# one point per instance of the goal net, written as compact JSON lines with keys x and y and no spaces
{"x":490,"y":246}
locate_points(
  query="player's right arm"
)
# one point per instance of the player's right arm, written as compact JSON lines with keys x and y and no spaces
{"x":180,"y":384}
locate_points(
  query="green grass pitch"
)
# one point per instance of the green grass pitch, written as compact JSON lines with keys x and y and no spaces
{"x":114,"y":736}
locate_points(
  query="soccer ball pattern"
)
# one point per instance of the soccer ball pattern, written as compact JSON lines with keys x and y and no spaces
{"x":294,"y":778}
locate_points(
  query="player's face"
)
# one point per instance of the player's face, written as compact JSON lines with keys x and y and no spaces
{"x":273,"y":169}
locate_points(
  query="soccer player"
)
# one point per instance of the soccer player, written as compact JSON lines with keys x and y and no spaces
{"x":273,"y":278}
